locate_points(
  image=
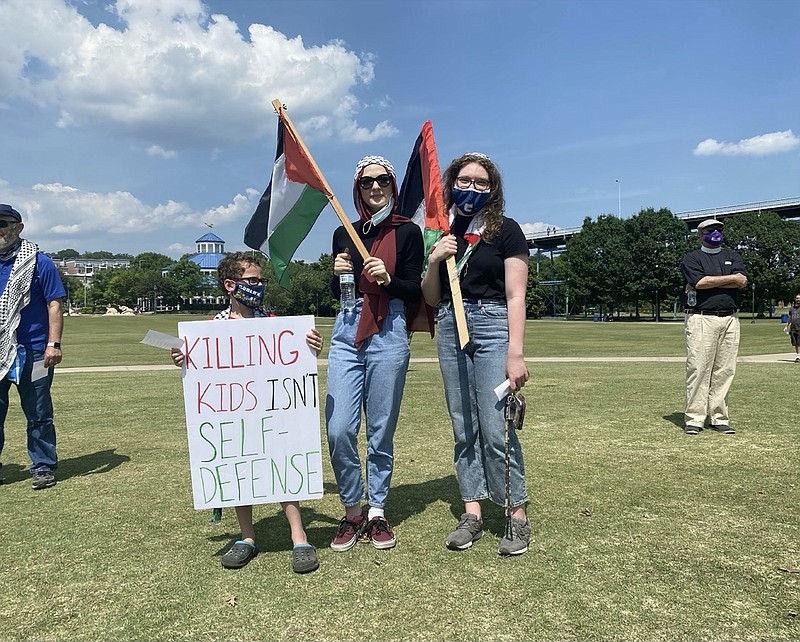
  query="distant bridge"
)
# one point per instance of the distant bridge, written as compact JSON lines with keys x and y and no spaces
{"x":555,"y":238}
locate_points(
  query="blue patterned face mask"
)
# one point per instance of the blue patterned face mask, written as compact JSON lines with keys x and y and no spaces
{"x":250,"y":295}
{"x":469,"y":201}
{"x":713,"y":238}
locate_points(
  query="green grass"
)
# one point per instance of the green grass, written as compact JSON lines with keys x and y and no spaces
{"x":116,"y":340}
{"x":640,"y":532}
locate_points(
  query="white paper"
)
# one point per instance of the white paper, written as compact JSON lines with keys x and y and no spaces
{"x":160,"y":340}
{"x":38,"y":371}
{"x":502,"y":390}
{"x":252,"y":411}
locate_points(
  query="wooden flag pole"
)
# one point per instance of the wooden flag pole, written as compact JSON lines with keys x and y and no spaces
{"x":348,"y":226}
{"x":458,"y":301}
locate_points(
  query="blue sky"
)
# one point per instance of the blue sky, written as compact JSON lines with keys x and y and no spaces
{"x":130,"y":125}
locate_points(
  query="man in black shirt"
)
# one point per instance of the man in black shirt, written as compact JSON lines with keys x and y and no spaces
{"x":714,"y":280}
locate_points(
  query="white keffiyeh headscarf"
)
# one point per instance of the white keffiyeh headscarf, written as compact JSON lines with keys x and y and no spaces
{"x":16,"y":295}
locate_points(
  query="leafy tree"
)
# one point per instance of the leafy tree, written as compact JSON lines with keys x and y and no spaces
{"x":98,"y":255}
{"x":151,"y":261}
{"x":188,"y":279}
{"x":328,"y":304}
{"x":69,"y":253}
{"x":770,"y":249}
{"x":73,"y":287}
{"x":599,"y":261}
{"x":539,"y":299}
{"x":534,"y":296}
{"x":657,"y":241}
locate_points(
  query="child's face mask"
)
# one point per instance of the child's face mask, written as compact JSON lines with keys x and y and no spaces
{"x":250,"y":295}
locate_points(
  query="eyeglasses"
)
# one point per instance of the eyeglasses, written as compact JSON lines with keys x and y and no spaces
{"x":252,"y":280}
{"x":365,"y":182}
{"x":481,"y":184}
{"x":7,"y":223}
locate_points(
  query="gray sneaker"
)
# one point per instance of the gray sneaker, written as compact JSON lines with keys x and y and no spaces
{"x":516,"y":542}
{"x":469,"y":529}
{"x":43,"y":479}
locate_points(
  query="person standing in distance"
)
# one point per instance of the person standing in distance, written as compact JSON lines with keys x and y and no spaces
{"x":793,"y":327}
{"x":715,"y":277}
{"x":31,"y":322}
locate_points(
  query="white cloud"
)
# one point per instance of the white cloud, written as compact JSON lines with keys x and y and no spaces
{"x":176,"y":77}
{"x":763,"y":145}
{"x":58,"y":216}
{"x":157,"y":150}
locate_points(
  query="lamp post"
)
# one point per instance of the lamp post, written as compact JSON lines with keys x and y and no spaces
{"x":619,"y":199}
{"x":753,"y":313}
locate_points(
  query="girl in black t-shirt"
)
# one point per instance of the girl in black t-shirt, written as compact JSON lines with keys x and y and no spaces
{"x":491,"y":255}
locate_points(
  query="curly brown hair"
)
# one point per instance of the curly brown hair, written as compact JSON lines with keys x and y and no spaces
{"x":234,"y":265}
{"x":493,"y":211}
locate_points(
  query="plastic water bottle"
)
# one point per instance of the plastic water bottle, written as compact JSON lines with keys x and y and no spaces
{"x":691,"y":298}
{"x":347,"y":284}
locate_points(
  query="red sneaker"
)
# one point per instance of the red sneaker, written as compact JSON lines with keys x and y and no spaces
{"x":380,"y":533}
{"x":350,"y":528}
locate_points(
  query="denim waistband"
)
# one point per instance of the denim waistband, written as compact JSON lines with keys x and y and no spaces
{"x":486,"y":301}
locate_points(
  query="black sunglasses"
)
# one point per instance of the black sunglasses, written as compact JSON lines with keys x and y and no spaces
{"x":7,"y":223}
{"x":365,"y":182}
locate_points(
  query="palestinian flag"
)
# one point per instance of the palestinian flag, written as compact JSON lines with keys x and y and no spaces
{"x":422,"y":201}
{"x":421,"y":197}
{"x":294,"y":198}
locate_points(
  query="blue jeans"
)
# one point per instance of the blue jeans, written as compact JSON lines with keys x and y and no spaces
{"x":37,"y":405}
{"x":470,"y":377}
{"x":372,"y":378}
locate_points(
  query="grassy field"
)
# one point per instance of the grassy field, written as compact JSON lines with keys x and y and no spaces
{"x":115,"y":340}
{"x":640,"y":532}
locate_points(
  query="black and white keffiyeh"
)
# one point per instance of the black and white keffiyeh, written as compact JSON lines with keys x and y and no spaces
{"x":226,"y":313}
{"x":16,"y":295}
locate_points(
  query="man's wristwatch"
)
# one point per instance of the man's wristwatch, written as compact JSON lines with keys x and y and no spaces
{"x":54,"y":344}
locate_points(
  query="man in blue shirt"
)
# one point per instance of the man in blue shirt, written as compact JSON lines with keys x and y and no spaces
{"x":31,"y":322}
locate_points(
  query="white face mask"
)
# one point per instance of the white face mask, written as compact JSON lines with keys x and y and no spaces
{"x":382,"y":214}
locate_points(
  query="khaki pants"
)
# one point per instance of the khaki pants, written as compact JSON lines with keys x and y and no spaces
{"x":712,"y":345}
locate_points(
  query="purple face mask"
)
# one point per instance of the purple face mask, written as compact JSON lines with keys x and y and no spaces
{"x":713,"y":238}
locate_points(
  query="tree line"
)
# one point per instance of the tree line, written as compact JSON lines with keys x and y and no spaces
{"x":613,"y":265}
{"x":624,"y":265}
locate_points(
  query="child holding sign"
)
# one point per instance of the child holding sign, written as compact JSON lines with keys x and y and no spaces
{"x":239,"y":275}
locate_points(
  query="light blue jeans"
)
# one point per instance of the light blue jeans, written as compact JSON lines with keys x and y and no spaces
{"x":37,"y":405}
{"x":470,"y":377}
{"x":372,"y":378}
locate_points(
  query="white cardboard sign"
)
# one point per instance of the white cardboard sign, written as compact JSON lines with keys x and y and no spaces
{"x":252,"y":411}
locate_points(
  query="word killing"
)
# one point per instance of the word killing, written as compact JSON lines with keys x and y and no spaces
{"x":222,"y":353}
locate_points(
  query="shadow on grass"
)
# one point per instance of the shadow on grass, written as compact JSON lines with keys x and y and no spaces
{"x":405,"y":500}
{"x":12,"y":473}
{"x":408,"y":500}
{"x":102,"y":461}
{"x":675,"y":418}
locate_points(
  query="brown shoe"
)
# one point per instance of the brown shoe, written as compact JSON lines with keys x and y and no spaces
{"x":380,"y":533}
